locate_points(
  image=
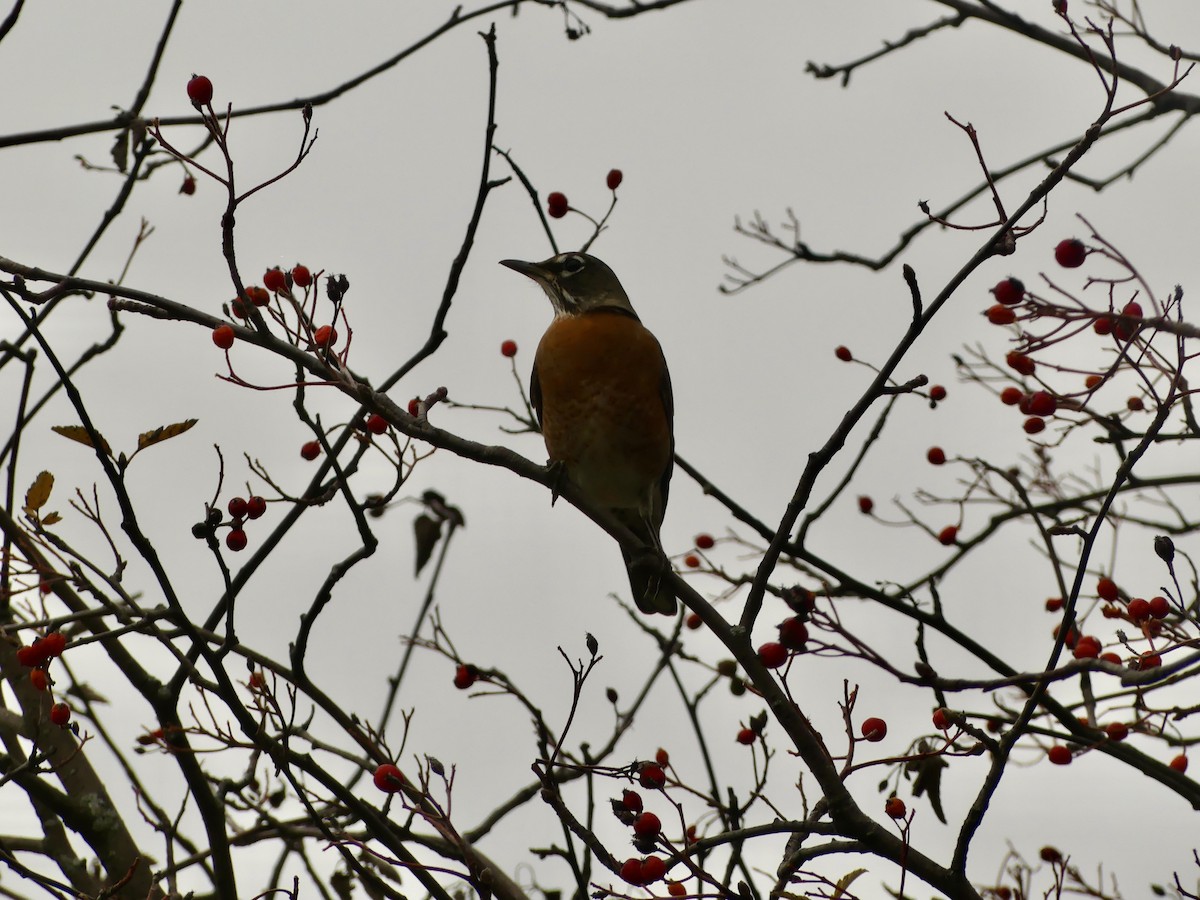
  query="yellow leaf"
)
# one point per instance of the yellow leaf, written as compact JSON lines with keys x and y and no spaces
{"x":38,"y":493}
{"x":51,"y":518}
{"x":164,"y":433}
{"x":79,"y":433}
{"x":844,"y":882}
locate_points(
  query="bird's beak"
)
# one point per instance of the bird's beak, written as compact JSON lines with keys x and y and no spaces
{"x":528,"y":269}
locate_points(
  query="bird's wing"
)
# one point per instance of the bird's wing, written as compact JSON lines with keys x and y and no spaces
{"x":535,"y":393}
{"x":668,"y":400}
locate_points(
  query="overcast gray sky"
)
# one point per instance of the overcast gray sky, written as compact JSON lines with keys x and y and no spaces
{"x":707,"y":110}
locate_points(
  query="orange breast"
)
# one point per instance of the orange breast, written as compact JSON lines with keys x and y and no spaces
{"x":604,"y":407}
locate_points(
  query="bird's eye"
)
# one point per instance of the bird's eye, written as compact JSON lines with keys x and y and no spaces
{"x":572,"y":264}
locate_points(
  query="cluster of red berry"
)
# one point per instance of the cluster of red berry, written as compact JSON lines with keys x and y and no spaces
{"x":241,"y":509}
{"x":1151,"y":618}
{"x":1011,"y":295}
{"x":793,"y":638}
{"x":37,"y":657}
{"x":646,"y":826}
{"x":556,"y":201}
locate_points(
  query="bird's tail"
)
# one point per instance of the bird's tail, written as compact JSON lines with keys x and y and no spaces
{"x":648,"y":579}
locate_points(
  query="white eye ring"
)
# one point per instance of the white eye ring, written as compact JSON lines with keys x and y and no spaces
{"x":572,"y":265}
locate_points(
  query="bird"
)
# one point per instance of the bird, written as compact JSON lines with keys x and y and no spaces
{"x":602,"y":395}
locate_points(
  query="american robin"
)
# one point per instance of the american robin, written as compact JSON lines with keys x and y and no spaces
{"x":602,"y":394}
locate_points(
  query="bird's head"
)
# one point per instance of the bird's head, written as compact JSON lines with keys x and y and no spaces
{"x":575,"y":283}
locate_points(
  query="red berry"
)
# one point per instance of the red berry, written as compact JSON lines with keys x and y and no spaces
{"x":200,"y":90}
{"x":772,"y":655}
{"x":1020,"y":362}
{"x":1111,"y":657}
{"x":1103,"y":325}
{"x":866,"y":505}
{"x":631,"y":800}
{"x":376,"y":424}
{"x":653,"y":869}
{"x":54,"y":644}
{"x":275,"y":280}
{"x":1093,"y":381}
{"x":465,"y":676}
{"x":556,"y":205}
{"x":257,"y":682}
{"x":310,"y":450}
{"x":1034,"y":425}
{"x":1054,"y":604}
{"x":948,"y":535}
{"x":844,"y":354}
{"x":1106,"y":589}
{"x":1009,"y":291}
{"x":1011,"y":396}
{"x":255,"y":507}
{"x":223,"y":336}
{"x":236,"y":540}
{"x":613,"y":179}
{"x":1059,"y":755}
{"x":631,"y":871}
{"x":238,"y":308}
{"x":1132,"y":309}
{"x":301,"y":277}
{"x":1179,"y":763}
{"x":1159,"y":608}
{"x":747,"y":736}
{"x":1116,"y":731}
{"x":1000,"y":315}
{"x":1050,"y":855}
{"x":189,"y":185}
{"x":705,"y":542}
{"x":1148,"y":660}
{"x":238,"y":508}
{"x":1139,"y":609}
{"x":258,"y":295}
{"x":1070,"y":253}
{"x":941,"y":718}
{"x":1072,"y":636}
{"x":508,"y":348}
{"x":388,"y":778}
{"x":693,"y":621}
{"x":793,"y":633}
{"x":937,"y":393}
{"x":936,"y":456}
{"x":29,"y":656}
{"x":647,"y":825}
{"x":692,"y":561}
{"x":873,"y":729}
{"x":1135,"y":404}
{"x":1042,"y":403}
{"x":414,"y":406}
{"x":1087,"y":647}
{"x":894,"y":807}
{"x":652,"y":777}
{"x":662,"y":757}
{"x":325,"y":336}
{"x":676,"y":889}
{"x":39,"y":679}
{"x":60,"y":714}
